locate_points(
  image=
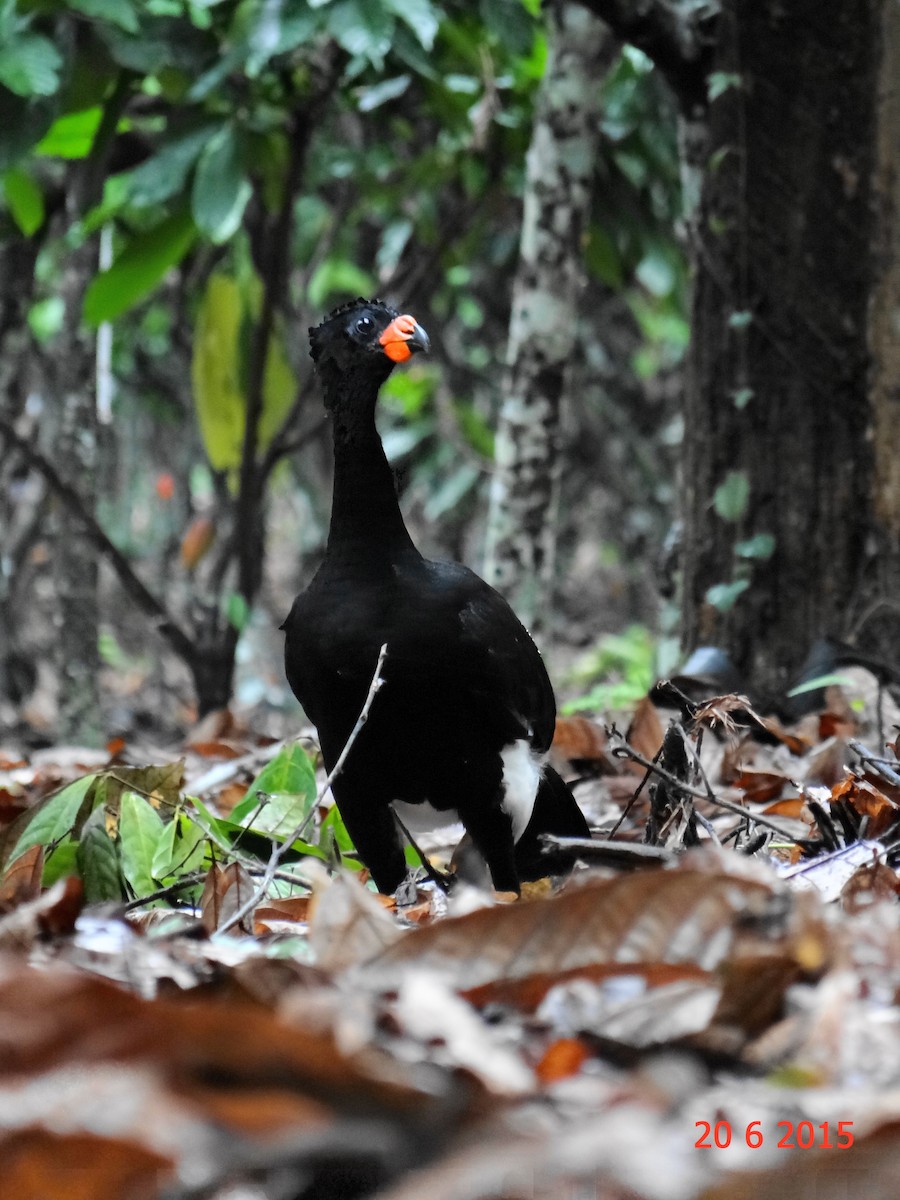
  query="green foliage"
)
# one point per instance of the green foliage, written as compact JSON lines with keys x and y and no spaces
{"x":732,"y":495}
{"x":219,"y":370}
{"x":623,"y":668}
{"x":128,"y":832}
{"x":30,"y":64}
{"x":138,"y":268}
{"x":24,"y":199}
{"x":221,"y":190}
{"x":411,"y":186}
{"x":281,"y":794}
{"x":724,"y":596}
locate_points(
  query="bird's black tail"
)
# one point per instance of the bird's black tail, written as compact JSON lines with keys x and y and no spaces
{"x":555,"y":811}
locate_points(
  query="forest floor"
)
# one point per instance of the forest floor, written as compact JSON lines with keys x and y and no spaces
{"x":706,"y":1007}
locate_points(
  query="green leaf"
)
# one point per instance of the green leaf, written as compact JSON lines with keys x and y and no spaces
{"x":55,"y":817}
{"x":140,"y":830}
{"x":420,"y":16}
{"x":761,"y":546}
{"x":334,"y":826}
{"x":218,"y":371}
{"x":98,"y":860}
{"x":602,"y":257}
{"x":740,"y":319}
{"x":336,"y":276}
{"x":724,"y":596}
{"x":820,"y":681}
{"x":163,"y":175}
{"x":24,"y":199}
{"x":237,"y":611}
{"x":45,"y":317}
{"x":30,"y":65}
{"x":731,"y":496}
{"x":23,"y":122}
{"x":61,"y":862}
{"x":117,"y":12}
{"x":290,"y":773}
{"x":72,"y":135}
{"x":182,"y":848}
{"x":361,"y":27}
{"x":216,"y":827}
{"x":139,"y":268}
{"x":369,"y":98}
{"x":719,"y":82}
{"x":221,"y":190}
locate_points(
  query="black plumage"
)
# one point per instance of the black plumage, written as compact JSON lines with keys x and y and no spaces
{"x":466,"y":712}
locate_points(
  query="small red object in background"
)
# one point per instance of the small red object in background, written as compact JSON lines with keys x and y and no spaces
{"x":165,"y":485}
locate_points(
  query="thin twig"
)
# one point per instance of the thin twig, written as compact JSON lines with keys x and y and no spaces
{"x":436,"y":877}
{"x":626,"y":751}
{"x":882,"y":766}
{"x":136,"y":589}
{"x":279,"y":851}
{"x":164,"y":893}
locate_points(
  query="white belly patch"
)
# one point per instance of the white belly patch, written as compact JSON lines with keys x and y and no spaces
{"x":521,"y":779}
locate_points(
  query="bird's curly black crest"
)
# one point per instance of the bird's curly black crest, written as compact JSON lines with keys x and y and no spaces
{"x":316,"y":332}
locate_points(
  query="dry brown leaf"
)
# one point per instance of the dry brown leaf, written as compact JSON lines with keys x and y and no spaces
{"x":54,"y":1018}
{"x":791,"y":807}
{"x":55,"y":912}
{"x":869,"y":801}
{"x":221,"y":1084}
{"x":348,"y":924}
{"x":562,"y":1058}
{"x":225,"y":889}
{"x":869,"y":884}
{"x":645,"y":733}
{"x":36,"y":1164}
{"x":754,"y":990}
{"x":214,"y":749}
{"x":674,"y":917}
{"x":198,"y":537}
{"x":760,"y":786}
{"x":578,"y":739}
{"x":289,"y":909}
{"x":527,"y":994}
{"x":161,"y":785}
{"x":22,"y":880}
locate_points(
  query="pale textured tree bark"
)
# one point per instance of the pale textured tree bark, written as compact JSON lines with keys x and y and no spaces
{"x":521,"y":525}
{"x":70,"y":409}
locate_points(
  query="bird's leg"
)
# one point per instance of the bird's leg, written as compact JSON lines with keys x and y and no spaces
{"x":491,"y":830}
{"x":374,"y":835}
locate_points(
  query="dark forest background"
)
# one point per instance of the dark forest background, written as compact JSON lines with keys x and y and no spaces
{"x":689,"y":208}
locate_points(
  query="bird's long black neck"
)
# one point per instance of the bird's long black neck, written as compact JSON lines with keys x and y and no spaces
{"x":366,"y":522}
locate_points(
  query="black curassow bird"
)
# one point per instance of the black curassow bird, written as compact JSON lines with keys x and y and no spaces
{"x":466,"y":712}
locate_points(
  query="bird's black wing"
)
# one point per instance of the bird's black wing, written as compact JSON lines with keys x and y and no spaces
{"x":494,"y":657}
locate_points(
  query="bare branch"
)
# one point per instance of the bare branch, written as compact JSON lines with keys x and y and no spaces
{"x":279,"y":851}
{"x":626,"y":751}
{"x":94,"y":532}
{"x":677,"y":38}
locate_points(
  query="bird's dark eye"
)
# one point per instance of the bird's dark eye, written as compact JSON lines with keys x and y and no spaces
{"x":364,"y":325}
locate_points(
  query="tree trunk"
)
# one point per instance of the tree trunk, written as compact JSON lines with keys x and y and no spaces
{"x":521,"y":524}
{"x":778,"y":459}
{"x":72,"y":414}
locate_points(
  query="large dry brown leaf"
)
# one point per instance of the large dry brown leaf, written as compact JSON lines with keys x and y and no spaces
{"x":218,"y":1084}
{"x":674,"y":917}
{"x":527,"y":993}
{"x":36,"y":1164}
